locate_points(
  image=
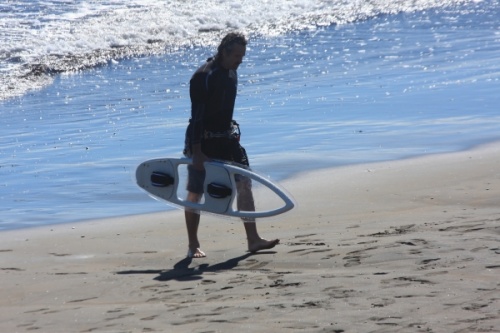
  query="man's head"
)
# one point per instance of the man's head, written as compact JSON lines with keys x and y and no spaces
{"x":231,"y":50}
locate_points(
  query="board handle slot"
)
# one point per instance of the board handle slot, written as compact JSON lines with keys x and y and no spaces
{"x":219,"y":191}
{"x":160,"y":179}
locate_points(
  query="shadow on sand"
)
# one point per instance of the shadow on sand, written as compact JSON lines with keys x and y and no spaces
{"x":182,"y":272}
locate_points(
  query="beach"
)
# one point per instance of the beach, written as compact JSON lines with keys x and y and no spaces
{"x":380,"y":118}
{"x":400,"y":246}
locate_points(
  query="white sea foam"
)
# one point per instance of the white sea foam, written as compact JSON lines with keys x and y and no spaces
{"x":39,"y":38}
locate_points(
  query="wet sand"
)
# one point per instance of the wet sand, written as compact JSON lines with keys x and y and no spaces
{"x":406,"y":246}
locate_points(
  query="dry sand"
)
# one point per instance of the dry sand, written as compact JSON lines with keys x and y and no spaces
{"x":406,"y":246}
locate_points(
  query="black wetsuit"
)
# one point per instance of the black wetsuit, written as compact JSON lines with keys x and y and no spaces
{"x":213,"y":94}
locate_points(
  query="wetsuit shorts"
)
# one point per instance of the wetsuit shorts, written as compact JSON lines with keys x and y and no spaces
{"x":218,"y":149}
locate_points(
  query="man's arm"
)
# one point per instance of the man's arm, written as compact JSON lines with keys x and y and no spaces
{"x":198,"y":94}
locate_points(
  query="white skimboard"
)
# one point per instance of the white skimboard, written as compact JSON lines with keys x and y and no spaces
{"x":162,"y":179}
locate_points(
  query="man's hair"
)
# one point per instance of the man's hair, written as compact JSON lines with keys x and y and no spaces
{"x":228,"y":42}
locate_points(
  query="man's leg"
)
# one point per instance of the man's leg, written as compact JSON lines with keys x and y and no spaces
{"x":192,"y":223}
{"x":245,"y":202}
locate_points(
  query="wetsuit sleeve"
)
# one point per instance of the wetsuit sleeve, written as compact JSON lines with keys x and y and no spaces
{"x":198,"y":94}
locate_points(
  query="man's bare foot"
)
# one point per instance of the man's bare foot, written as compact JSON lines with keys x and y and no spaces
{"x":262,"y":244}
{"x":196,"y":253}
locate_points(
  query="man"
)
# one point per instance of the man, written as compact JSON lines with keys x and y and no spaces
{"x":211,"y":135}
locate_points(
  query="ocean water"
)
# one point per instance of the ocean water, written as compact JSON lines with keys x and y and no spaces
{"x":89,"y":89}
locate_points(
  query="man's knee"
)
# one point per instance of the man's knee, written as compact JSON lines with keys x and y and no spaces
{"x":244,"y":184}
{"x":194,"y":197}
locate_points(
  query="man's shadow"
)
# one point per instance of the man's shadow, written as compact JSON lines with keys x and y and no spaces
{"x":182,"y":272}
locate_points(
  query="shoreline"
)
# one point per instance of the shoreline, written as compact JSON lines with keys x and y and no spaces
{"x":289,"y":178}
{"x":401,"y":246}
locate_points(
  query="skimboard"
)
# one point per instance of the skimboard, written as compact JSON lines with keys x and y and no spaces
{"x":163,"y":179}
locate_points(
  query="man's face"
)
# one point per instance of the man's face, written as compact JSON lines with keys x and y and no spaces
{"x":234,"y":58}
